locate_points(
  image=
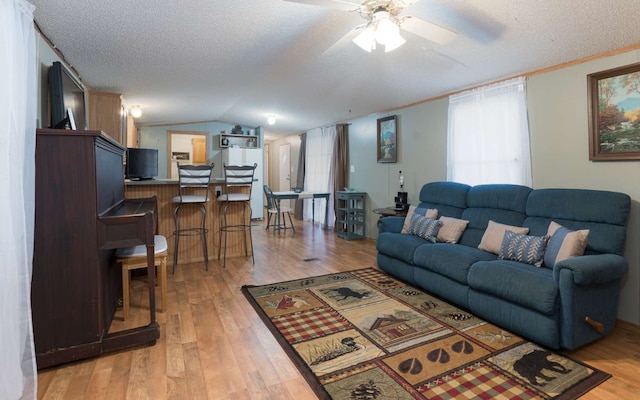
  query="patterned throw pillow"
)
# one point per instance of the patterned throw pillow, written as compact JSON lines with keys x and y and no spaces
{"x":426,"y":228}
{"x":492,"y":238}
{"x":451,"y":229}
{"x":425,"y":212}
{"x":564,"y":243}
{"x":523,"y":248}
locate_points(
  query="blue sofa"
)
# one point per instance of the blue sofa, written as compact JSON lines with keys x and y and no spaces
{"x":565,"y":305}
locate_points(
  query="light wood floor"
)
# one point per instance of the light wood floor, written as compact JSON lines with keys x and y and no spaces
{"x":213,"y":345}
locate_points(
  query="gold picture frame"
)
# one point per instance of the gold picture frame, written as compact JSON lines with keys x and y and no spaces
{"x":614,"y":114}
{"x":387,"y":139}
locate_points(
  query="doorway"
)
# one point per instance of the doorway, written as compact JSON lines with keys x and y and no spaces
{"x":186,"y":147}
{"x":284,"y":183}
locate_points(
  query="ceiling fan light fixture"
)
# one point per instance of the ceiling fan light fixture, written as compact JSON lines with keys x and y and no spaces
{"x":386,"y":31}
{"x":394,"y":43}
{"x":366,"y":39}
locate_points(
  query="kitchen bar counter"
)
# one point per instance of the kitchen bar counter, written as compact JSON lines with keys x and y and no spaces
{"x":190,"y":247}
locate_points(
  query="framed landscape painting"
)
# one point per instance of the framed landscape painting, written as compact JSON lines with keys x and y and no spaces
{"x":614,"y":114}
{"x":387,"y":149}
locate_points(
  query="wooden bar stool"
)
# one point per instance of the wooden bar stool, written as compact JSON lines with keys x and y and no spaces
{"x":136,"y":257}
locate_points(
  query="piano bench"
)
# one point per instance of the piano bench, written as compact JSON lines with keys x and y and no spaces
{"x":135,"y":258}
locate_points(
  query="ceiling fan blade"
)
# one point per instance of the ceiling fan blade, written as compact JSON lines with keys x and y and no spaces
{"x":335,"y":4}
{"x":427,"y":30}
{"x":343,"y":42}
{"x":407,"y":3}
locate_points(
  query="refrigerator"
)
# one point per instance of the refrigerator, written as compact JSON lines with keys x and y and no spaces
{"x":248,"y":156}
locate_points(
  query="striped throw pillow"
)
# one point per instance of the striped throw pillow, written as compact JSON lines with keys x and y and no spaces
{"x":426,"y":228}
{"x":523,"y":248}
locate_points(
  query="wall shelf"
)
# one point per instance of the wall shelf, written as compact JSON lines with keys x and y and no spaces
{"x":239,"y":140}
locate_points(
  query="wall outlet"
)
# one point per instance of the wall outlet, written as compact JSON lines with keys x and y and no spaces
{"x":353,"y":168}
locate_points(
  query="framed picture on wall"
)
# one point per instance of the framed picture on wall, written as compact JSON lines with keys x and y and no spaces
{"x":614,"y":114}
{"x":387,"y":139}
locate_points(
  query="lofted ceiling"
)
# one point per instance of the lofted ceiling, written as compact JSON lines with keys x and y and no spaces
{"x":238,"y":61}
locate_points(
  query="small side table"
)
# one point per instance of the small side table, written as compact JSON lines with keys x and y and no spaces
{"x":350,"y":217}
{"x":390,"y":212}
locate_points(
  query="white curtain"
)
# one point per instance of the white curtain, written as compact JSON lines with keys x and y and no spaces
{"x":488,"y":135}
{"x":18,"y":379}
{"x":319,"y":157}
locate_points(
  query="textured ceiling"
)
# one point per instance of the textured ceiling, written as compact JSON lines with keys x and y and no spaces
{"x":237,"y":61}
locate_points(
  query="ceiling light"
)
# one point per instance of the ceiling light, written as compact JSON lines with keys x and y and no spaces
{"x":135,"y":111}
{"x":366,"y":39}
{"x":393,"y":43}
{"x":271,"y":119}
{"x":383,"y":28}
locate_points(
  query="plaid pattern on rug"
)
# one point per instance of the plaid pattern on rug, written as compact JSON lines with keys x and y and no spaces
{"x":365,"y":335}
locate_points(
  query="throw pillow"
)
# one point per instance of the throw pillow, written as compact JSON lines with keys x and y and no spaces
{"x":564,"y":243}
{"x":523,"y":248}
{"x":492,"y":238}
{"x":426,"y":228}
{"x":425,"y":212}
{"x":451,"y":229}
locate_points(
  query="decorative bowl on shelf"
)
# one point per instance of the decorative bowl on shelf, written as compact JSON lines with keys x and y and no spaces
{"x":297,"y":189}
{"x":348,"y":189}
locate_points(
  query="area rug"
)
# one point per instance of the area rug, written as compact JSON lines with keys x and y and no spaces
{"x":366,"y":335}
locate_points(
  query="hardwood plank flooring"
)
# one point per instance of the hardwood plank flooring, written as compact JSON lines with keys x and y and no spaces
{"x":213,"y":345}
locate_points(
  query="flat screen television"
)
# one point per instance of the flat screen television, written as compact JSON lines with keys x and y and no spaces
{"x":66,"y":99}
{"x":141,"y":163}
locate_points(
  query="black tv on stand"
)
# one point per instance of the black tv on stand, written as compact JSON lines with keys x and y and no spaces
{"x":141,"y":164}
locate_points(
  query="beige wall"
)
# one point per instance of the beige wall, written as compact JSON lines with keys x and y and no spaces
{"x":558,"y":120}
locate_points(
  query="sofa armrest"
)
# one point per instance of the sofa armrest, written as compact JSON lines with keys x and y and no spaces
{"x":593,"y":269}
{"x":390,"y":224}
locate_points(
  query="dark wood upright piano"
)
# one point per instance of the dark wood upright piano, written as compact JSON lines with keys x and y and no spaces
{"x":81,"y":216}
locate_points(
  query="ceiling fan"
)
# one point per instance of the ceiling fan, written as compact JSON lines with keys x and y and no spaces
{"x":383,"y":23}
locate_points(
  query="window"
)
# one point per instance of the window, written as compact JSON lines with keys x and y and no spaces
{"x":488,"y":135}
{"x":318,"y":178}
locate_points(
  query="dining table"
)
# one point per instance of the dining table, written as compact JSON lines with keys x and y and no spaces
{"x":291,"y":195}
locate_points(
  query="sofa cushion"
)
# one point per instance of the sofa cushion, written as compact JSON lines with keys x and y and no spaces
{"x":564,"y":243}
{"x":450,"y":260}
{"x":492,"y":238}
{"x":516,"y":282}
{"x":425,"y":228}
{"x":398,"y":245}
{"x":451,"y":229}
{"x":501,"y":203}
{"x":426,"y":212}
{"x":604,"y":213}
{"x":523,"y":248}
{"x":449,"y":198}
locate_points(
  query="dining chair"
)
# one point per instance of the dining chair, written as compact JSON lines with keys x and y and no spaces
{"x":276,"y":211}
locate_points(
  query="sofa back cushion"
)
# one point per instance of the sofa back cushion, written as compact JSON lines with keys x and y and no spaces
{"x":503,"y":203}
{"x":604,"y":213}
{"x":449,"y":198}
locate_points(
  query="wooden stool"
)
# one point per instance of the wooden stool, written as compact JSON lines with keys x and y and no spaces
{"x":136,"y":257}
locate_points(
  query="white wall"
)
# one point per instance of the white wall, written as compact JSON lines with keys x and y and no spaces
{"x":558,"y":119}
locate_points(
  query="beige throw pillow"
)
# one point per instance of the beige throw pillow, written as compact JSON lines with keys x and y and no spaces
{"x":451,"y":229}
{"x":492,"y":238}
{"x":564,"y":243}
{"x":431,"y":213}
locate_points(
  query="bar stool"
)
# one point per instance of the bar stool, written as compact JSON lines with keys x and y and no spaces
{"x":193,"y":186}
{"x":241,"y":177}
{"x":136,"y":257}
